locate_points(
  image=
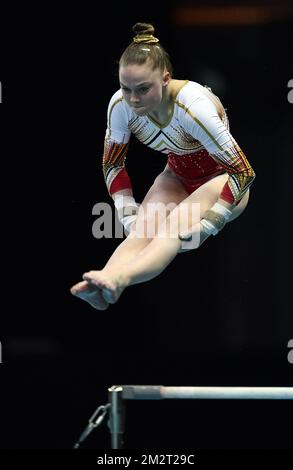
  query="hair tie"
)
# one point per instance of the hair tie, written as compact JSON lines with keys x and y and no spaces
{"x":145,"y":38}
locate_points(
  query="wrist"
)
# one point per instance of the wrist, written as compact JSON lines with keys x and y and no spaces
{"x":122,"y":192}
{"x":121,"y":201}
{"x":223,"y":210}
{"x":226,"y":204}
{"x":215,"y":218}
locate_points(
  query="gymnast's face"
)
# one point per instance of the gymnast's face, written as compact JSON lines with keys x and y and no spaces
{"x":143,"y":88}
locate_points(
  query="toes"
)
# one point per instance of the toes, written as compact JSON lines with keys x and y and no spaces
{"x":97,"y":279}
{"x":91,"y":278}
{"x":91,"y":294}
{"x":107,"y":289}
{"x":79,"y":287}
{"x":89,"y":275}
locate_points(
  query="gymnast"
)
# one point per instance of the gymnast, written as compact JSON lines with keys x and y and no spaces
{"x":205,"y":168}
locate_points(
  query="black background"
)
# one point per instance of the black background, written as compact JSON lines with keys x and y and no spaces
{"x":217,"y":316}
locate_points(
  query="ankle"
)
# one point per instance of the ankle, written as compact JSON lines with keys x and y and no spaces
{"x":117,"y":274}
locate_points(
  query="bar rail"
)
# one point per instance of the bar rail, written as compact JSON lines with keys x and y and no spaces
{"x":160,"y":392}
{"x":118,"y":394}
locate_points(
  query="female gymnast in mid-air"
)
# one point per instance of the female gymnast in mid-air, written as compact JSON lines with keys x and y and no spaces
{"x":205,"y":169}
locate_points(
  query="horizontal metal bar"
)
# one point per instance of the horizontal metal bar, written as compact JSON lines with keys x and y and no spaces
{"x":160,"y":392}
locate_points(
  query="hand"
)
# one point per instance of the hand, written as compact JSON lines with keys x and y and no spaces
{"x":127,"y":210}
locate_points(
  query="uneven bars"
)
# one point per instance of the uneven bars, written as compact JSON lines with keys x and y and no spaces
{"x":160,"y":392}
{"x":119,"y":393}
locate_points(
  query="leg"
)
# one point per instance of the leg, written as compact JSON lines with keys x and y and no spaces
{"x":166,"y":188}
{"x":156,"y":256}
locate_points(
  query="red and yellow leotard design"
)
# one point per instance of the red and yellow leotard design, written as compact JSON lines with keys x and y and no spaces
{"x":196,"y":139}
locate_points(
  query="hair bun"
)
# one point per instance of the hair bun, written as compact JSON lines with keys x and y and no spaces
{"x":144,"y":33}
{"x":143,"y":28}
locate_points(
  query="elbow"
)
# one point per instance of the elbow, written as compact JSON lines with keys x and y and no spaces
{"x":252,"y":176}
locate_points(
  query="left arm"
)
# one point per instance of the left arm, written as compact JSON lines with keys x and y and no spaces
{"x":207,"y":127}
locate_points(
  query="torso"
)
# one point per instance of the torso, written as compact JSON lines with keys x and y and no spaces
{"x":186,"y":155}
{"x":193,"y":131}
{"x":168,"y":132}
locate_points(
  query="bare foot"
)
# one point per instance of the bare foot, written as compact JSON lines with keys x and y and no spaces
{"x":112,"y":283}
{"x":91,"y":294}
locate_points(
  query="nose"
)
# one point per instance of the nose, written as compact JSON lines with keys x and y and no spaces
{"x":134,"y":98}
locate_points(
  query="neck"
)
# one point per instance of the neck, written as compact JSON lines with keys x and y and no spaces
{"x":164,"y":107}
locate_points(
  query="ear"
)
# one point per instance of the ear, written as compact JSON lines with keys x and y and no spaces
{"x":166,"y":78}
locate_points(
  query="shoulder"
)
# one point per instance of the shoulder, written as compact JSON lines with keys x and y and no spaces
{"x":190,"y":92}
{"x":199,"y":103}
{"x":116,"y":100}
{"x":118,"y":109}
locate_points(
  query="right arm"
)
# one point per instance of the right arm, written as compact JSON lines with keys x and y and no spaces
{"x":115,"y":150}
{"x":116,"y":146}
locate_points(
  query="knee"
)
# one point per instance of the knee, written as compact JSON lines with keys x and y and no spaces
{"x":183,"y":218}
{"x":183,"y":225}
{"x":152,"y":216}
{"x":145,"y":226}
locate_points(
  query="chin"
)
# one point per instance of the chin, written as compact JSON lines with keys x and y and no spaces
{"x":140,"y":111}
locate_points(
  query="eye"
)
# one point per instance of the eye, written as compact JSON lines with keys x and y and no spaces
{"x":144,"y":89}
{"x":126,"y":90}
